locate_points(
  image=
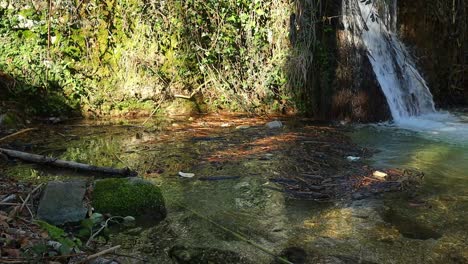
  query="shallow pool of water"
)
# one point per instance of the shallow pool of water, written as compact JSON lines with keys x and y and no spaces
{"x":426,"y":226}
{"x":438,"y":211}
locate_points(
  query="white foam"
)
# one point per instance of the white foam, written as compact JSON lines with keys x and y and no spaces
{"x":372,"y":27}
{"x":440,"y":126}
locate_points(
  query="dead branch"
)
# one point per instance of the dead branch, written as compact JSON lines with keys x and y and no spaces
{"x":40,"y":159}
{"x":90,"y":257}
{"x":18,"y":209}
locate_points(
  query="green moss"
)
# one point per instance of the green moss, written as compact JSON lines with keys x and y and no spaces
{"x":183,"y":107}
{"x":112,"y":59}
{"x":125,"y":197}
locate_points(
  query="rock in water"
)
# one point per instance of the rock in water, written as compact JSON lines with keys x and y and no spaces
{"x":274,"y":124}
{"x":196,"y":255}
{"x":129,"y":197}
{"x":353,"y":158}
{"x":380,"y":175}
{"x":62,"y":202}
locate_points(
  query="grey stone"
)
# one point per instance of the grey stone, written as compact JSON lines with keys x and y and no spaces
{"x":274,"y":124}
{"x":62,"y":202}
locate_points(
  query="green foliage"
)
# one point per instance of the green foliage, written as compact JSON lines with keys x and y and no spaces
{"x":103,"y":53}
{"x":67,"y":244}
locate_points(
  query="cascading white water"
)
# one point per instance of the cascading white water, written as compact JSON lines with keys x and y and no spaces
{"x":371,"y":24}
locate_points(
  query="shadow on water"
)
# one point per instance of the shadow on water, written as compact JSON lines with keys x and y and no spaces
{"x":408,"y":227}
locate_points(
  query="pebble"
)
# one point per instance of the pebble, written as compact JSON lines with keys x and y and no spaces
{"x":242,"y":127}
{"x":379,"y":174}
{"x":274,"y":124}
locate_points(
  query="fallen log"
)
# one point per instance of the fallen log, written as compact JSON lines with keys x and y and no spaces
{"x":40,"y":159}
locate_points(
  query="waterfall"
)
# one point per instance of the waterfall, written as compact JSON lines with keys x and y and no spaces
{"x":372,"y":25}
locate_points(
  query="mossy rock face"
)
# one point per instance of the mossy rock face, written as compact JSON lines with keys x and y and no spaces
{"x":183,"y":107}
{"x":130,"y":196}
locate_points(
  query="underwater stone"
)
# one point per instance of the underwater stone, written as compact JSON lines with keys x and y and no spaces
{"x":274,"y":124}
{"x":62,"y":202}
{"x":129,"y":197}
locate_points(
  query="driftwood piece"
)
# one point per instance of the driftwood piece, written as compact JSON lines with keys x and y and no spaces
{"x":40,"y":159}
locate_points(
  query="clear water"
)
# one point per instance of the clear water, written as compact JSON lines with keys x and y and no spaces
{"x":427,"y":226}
{"x":438,"y":146}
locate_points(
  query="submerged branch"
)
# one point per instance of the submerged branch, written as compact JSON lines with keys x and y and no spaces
{"x":40,"y":159}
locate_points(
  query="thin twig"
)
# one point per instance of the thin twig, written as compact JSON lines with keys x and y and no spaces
{"x":29,"y":195}
{"x":9,"y":198}
{"x":103,"y":226}
{"x":17,"y":133}
{"x":90,"y":257}
{"x":13,"y":261}
{"x":18,"y":209}
{"x":29,"y":210}
{"x":153,"y":112}
{"x":2,"y":203}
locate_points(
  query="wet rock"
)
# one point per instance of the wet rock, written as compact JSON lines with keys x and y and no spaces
{"x":130,"y":196}
{"x":103,"y":261}
{"x":134,"y":231}
{"x":198,"y":255}
{"x":295,"y":255}
{"x":274,"y":124}
{"x":62,"y":202}
{"x":183,"y":107}
{"x":345,"y":260}
{"x":242,"y":185}
{"x":408,"y":227}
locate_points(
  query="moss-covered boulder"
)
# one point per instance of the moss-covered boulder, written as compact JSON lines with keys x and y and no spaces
{"x":182,"y":107}
{"x":129,"y":196}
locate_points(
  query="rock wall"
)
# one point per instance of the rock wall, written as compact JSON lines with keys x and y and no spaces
{"x":357,"y":95}
{"x":436,"y":31}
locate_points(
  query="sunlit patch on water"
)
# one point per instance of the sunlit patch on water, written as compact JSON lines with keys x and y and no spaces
{"x":437,"y":211}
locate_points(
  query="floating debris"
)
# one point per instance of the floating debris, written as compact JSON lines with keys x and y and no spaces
{"x":186,"y":174}
{"x":353,"y":158}
{"x":379,"y":174}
